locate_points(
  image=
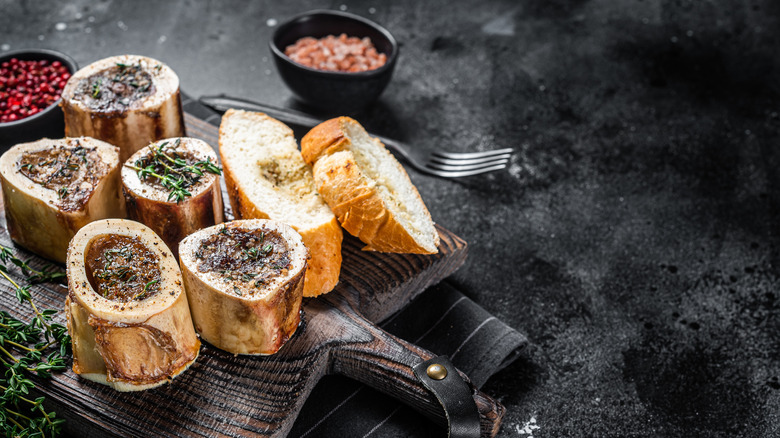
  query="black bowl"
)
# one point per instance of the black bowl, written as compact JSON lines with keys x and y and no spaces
{"x":48,"y":123}
{"x":327,"y":90}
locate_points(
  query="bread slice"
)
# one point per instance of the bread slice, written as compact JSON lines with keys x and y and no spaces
{"x":267,"y":178}
{"x":368,"y":189}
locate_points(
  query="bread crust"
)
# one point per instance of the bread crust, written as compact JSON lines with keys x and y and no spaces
{"x":352,"y":196}
{"x":323,"y":241}
{"x":324,"y":139}
{"x":323,"y":270}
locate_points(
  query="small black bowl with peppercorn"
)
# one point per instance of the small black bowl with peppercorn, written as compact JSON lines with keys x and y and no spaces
{"x":334,"y":61}
{"x":30,"y":85}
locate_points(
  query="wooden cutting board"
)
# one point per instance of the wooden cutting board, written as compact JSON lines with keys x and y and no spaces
{"x":237,"y":396}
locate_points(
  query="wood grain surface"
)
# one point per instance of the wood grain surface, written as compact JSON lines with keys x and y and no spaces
{"x":237,"y":396}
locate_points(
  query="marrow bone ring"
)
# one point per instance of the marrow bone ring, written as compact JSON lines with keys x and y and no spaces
{"x":127,"y":311}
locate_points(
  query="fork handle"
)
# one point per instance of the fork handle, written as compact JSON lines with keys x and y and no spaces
{"x":222,"y":103}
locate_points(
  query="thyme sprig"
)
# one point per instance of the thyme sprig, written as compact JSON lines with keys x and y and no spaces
{"x":257,"y":253}
{"x":147,"y":286}
{"x":96,"y":88}
{"x":171,"y":170}
{"x":37,"y":346}
{"x":33,"y":276}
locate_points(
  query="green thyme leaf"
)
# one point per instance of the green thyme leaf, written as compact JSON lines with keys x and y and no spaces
{"x":37,"y":346}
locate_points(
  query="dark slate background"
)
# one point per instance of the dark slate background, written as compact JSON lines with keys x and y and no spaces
{"x":634,"y":236}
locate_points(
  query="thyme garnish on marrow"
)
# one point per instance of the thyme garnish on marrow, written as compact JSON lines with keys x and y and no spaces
{"x":251,"y":258}
{"x":37,"y":346}
{"x":131,"y":74}
{"x":171,"y":170}
{"x":58,"y":170}
{"x":96,"y":88}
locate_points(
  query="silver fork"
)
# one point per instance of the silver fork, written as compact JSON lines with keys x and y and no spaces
{"x":438,"y":163}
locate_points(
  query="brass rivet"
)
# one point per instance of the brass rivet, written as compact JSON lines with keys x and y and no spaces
{"x":436,"y":371}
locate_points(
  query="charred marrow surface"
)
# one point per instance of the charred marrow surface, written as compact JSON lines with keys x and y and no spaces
{"x":53,"y":187}
{"x":178,"y":167}
{"x":116,"y":88}
{"x":72,"y":170}
{"x":121,"y":268}
{"x":246,"y":260}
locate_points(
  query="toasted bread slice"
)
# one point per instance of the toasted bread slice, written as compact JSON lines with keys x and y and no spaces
{"x":267,"y":178}
{"x":368,"y":189}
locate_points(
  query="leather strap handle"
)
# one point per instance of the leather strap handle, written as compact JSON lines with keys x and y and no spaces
{"x":439,"y":375}
{"x":384,"y":362}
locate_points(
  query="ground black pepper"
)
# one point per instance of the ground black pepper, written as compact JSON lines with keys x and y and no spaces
{"x":121,"y":268}
{"x":246,"y":258}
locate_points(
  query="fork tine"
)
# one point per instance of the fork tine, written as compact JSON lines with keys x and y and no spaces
{"x":458,"y":174}
{"x":438,"y":166}
{"x":500,"y":164}
{"x":459,"y":161}
{"x":468,"y":155}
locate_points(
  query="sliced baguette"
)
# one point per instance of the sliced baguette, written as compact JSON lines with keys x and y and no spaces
{"x":368,"y":189}
{"x":266,"y":178}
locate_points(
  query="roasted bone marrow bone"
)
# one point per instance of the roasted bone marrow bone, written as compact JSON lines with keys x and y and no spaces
{"x":245,"y":280}
{"x":52,"y":188}
{"x":129,"y":101}
{"x":127,"y":309}
{"x":172,"y":186}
